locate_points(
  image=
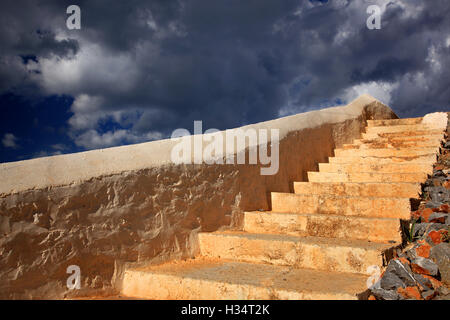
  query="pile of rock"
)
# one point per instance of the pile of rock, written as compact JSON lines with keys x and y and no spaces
{"x":420,"y":272}
{"x":422,"y":269}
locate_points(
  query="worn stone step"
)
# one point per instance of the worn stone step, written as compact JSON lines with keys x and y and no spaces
{"x":400,"y":128}
{"x":385,"y":153}
{"x":352,"y":189}
{"x":366,"y":177}
{"x":404,"y":135}
{"x":341,"y":255}
{"x":394,"y":122}
{"x":341,"y":205}
{"x":425,"y":159}
{"x":373,"y":167}
{"x":204,"y":279}
{"x":392,"y":144}
{"x":319,"y":225}
{"x":434,"y":140}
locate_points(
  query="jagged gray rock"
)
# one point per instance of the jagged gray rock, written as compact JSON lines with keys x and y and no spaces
{"x":440,"y":254}
{"x":427,"y":265}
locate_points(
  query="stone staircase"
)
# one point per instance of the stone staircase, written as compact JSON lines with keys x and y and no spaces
{"x":318,"y":242}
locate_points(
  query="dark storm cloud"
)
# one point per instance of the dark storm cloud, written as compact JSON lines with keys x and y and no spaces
{"x":27,"y":31}
{"x":387,"y":69}
{"x":149,"y":67}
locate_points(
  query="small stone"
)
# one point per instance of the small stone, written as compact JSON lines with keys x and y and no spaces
{"x":438,"y":217}
{"x":415,"y":215}
{"x":445,"y":207}
{"x":385,"y":294}
{"x":433,"y":204}
{"x":423,"y":283}
{"x":400,"y":267}
{"x":404,"y":261}
{"x":429,"y":294}
{"x":438,"y":195}
{"x":439,"y":173}
{"x":423,"y":249}
{"x":442,"y":290}
{"x":440,"y":254}
{"x":436,"y":237}
{"x":424,"y":266}
{"x":425,"y":214}
{"x":423,"y":228}
{"x":391,"y":281}
{"x":410,"y":293}
{"x":446,"y":184}
{"x":434,"y":282}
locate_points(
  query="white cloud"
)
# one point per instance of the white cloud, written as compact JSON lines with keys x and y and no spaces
{"x":59,"y":147}
{"x":93,"y":140}
{"x":379,"y":90}
{"x":92,"y":67}
{"x":433,"y":59}
{"x":411,"y":10}
{"x":382,"y":91}
{"x":87,"y":112}
{"x":9,"y":141}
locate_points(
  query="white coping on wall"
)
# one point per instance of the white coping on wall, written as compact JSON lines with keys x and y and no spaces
{"x":76,"y":167}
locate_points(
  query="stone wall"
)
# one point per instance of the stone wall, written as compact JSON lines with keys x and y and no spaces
{"x":104,"y":209}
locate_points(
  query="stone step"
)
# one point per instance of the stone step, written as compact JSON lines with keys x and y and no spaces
{"x":341,"y":255}
{"x":341,"y":205}
{"x":406,"y":141}
{"x":203,"y":279}
{"x":425,"y":159}
{"x":366,"y":177}
{"x":385,"y":153}
{"x":318,"y":242}
{"x":400,"y":128}
{"x":352,"y":189}
{"x":376,"y":144}
{"x":404,"y":135}
{"x":372,"y":167}
{"x":393,"y":122}
{"x":319,"y":225}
